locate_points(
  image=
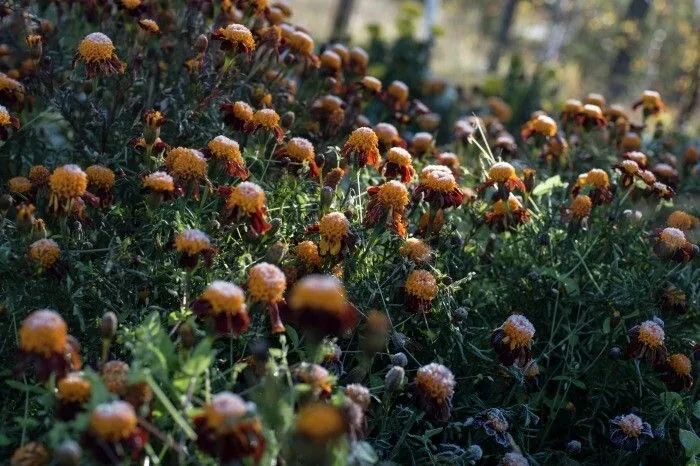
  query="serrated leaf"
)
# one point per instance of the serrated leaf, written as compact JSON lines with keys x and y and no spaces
{"x":547,"y":186}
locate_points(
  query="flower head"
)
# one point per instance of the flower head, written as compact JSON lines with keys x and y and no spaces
{"x":19,"y":185}
{"x":113,"y":421}
{"x":504,"y":174}
{"x":159,"y":182}
{"x":671,"y":243}
{"x":39,"y":175}
{"x":192,"y":242}
{"x":30,"y":454}
{"x":223,"y":303}
{"x":362,"y":147}
{"x":237,"y":114}
{"x":359,"y":394}
{"x":398,"y":163}
{"x":318,"y":304}
{"x":682,"y":220}
{"x":630,"y":432}
{"x":512,"y":340}
{"x":435,"y":386}
{"x":651,"y":103}
{"x":541,"y":125}
{"x":438,"y":185}
{"x":416,"y":250}
{"x":186,"y":164}
{"x":149,"y":25}
{"x":235,"y":37}
{"x":74,"y":388}
{"x":43,"y":332}
{"x":67,"y":183}
{"x":266,"y":282}
{"x":228,"y":152}
{"x":300,"y":151}
{"x":266,"y":119}
{"x":98,"y":54}
{"x":581,"y":207}
{"x":495,"y":424}
{"x":421,"y":289}
{"x":320,"y":423}
{"x":422,"y":143}
{"x":307,"y":253}
{"x":647,"y":341}
{"x":44,"y":252}
{"x":334,"y":228}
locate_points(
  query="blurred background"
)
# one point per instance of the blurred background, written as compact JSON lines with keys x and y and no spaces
{"x":566,"y":47}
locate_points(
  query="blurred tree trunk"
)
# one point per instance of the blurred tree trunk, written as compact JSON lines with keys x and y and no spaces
{"x":620,"y":69}
{"x":563,"y":14}
{"x":693,"y":96}
{"x":341,"y":20}
{"x":502,"y":39}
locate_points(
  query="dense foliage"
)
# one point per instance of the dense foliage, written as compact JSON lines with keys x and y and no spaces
{"x":223,"y":244}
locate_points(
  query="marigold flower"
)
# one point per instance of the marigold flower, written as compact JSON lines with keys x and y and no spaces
{"x":248,"y":200}
{"x":99,"y":56}
{"x":581,"y":207}
{"x":101,"y":181}
{"x":541,"y":125}
{"x":113,"y":421}
{"x":666,"y":173}
{"x":591,"y":116}
{"x":398,"y":163}
{"x":512,"y":341}
{"x":630,"y":142}
{"x":300,"y":151}
{"x":421,"y":289}
{"x":647,"y":341}
{"x":267,"y":284}
{"x":555,"y":148}
{"x":159,"y":182}
{"x":44,"y":342}
{"x":682,"y":220}
{"x":223,"y":303}
{"x":676,"y":372}
{"x":416,"y":250}
{"x":331,"y":61}
{"x":30,"y":454}
{"x":318,"y":304}
{"x":39,"y":175}
{"x":229,"y":429}
{"x":115,"y":375}
{"x":7,"y":121}
{"x":503,"y":173}
{"x":228,"y":152}
{"x":388,"y":136}
{"x":149,"y":25}
{"x":598,"y":179}
{"x":572,"y":107}
{"x":130,"y":4}
{"x":12,"y":92}
{"x":438,"y":187}
{"x":302,"y":45}
{"x":371,"y":84}
{"x":45,"y":253}
{"x":235,"y":38}
{"x":435,"y":386}
{"x":388,"y":200}
{"x":316,"y":377}
{"x":595,"y":99}
{"x":66,"y":183}
{"x":307,"y":254}
{"x":334,"y":228}
{"x":320,"y":423}
{"x":191,"y":244}
{"x":237,"y":114}
{"x":650,"y":102}
{"x":266,"y":119}
{"x":19,"y":185}
{"x":671,"y":243}
{"x":362,"y":148}
{"x":359,"y":59}
{"x":495,"y":425}
{"x":630,"y":432}
{"x":508,"y":215}
{"x":186,"y":164}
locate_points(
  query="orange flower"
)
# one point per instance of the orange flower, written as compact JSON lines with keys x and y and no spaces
{"x":507,"y":215}
{"x":45,"y":253}
{"x":300,"y":151}
{"x":247,"y":200}
{"x":228,"y":152}
{"x":193,"y":244}
{"x":421,"y":289}
{"x":99,"y":56}
{"x":302,"y":46}
{"x":266,"y":119}
{"x":671,"y":243}
{"x":435,"y":386}
{"x":66,"y":184}
{"x":437,"y":185}
{"x":647,"y":341}
{"x":237,"y":115}
{"x":7,"y":121}
{"x":150,"y":26}
{"x":421,"y":144}
{"x":335,"y":233}
{"x":398,"y":163}
{"x":267,"y":284}
{"x":307,"y":254}
{"x":362,"y":147}
{"x":235,"y":38}
{"x":223,"y":304}
{"x":512,"y":341}
{"x":581,"y":207}
{"x":542,"y":125}
{"x":572,"y":107}
{"x":388,"y":200}
{"x":416,"y":250}
{"x":318,"y":304}
{"x":650,"y":102}
{"x":682,"y":220}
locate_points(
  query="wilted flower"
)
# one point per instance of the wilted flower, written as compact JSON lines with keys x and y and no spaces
{"x":228,"y":153}
{"x":541,"y":125}
{"x":247,"y":200}
{"x":435,"y":386}
{"x":99,"y":56}
{"x":39,"y":175}
{"x":581,"y":207}
{"x":12,"y":92}
{"x":188,"y":167}
{"x":647,"y":342}
{"x":149,"y":25}
{"x":512,"y":341}
{"x":389,"y":201}
{"x":421,"y":289}
{"x":114,"y":432}
{"x":44,"y":343}
{"x":650,"y":102}
{"x":300,"y":151}
{"x":438,"y":187}
{"x":371,"y":84}
{"x":359,"y":59}
{"x":421,"y":144}
{"x":19,"y":185}
{"x":513,"y":459}
{"x":7,"y":121}
{"x":193,"y":244}
{"x":600,"y":192}
{"x":223,"y":303}
{"x":630,"y":142}
{"x":682,"y":220}
{"x":572,"y":107}
{"x":508,"y":215}
{"x":235,"y":38}
{"x":115,"y":375}
{"x":416,"y":250}
{"x":45,"y":253}
{"x":160,"y":184}
{"x":237,"y":115}
{"x":671,"y":243}
{"x":359,"y":394}
{"x":30,"y":454}
{"x":308,"y":256}
{"x":229,"y":429}
{"x":495,"y":424}
{"x":591,"y":116}
{"x":266,"y":284}
{"x":388,"y":136}
{"x":318,"y":305}
{"x":302,"y":45}
{"x":362,"y":148}
{"x":66,"y":183}
{"x":629,"y":432}
{"x":266,"y":119}
{"x":676,"y":372}
{"x":317,"y":378}
{"x":396,"y":95}
{"x":100,"y":182}
{"x":72,"y":392}
{"x":595,"y":99}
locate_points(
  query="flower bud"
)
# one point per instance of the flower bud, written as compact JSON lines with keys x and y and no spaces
{"x":395,"y":378}
{"x":275,"y":223}
{"x":201,"y":44}
{"x":108,"y":325}
{"x":68,"y":454}
{"x":287,"y":120}
{"x":320,"y":160}
{"x":399,"y":359}
{"x":187,"y":338}
{"x":474,"y":453}
{"x":573,"y":447}
{"x":615,"y":319}
{"x":6,"y":202}
{"x":276,"y":253}
{"x":326,"y":197}
{"x":615,"y":352}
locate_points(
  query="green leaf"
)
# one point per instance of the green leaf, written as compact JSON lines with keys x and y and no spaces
{"x":547,"y":186}
{"x":690,"y":442}
{"x":24,"y":387}
{"x":696,"y":409}
{"x":671,"y":400}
